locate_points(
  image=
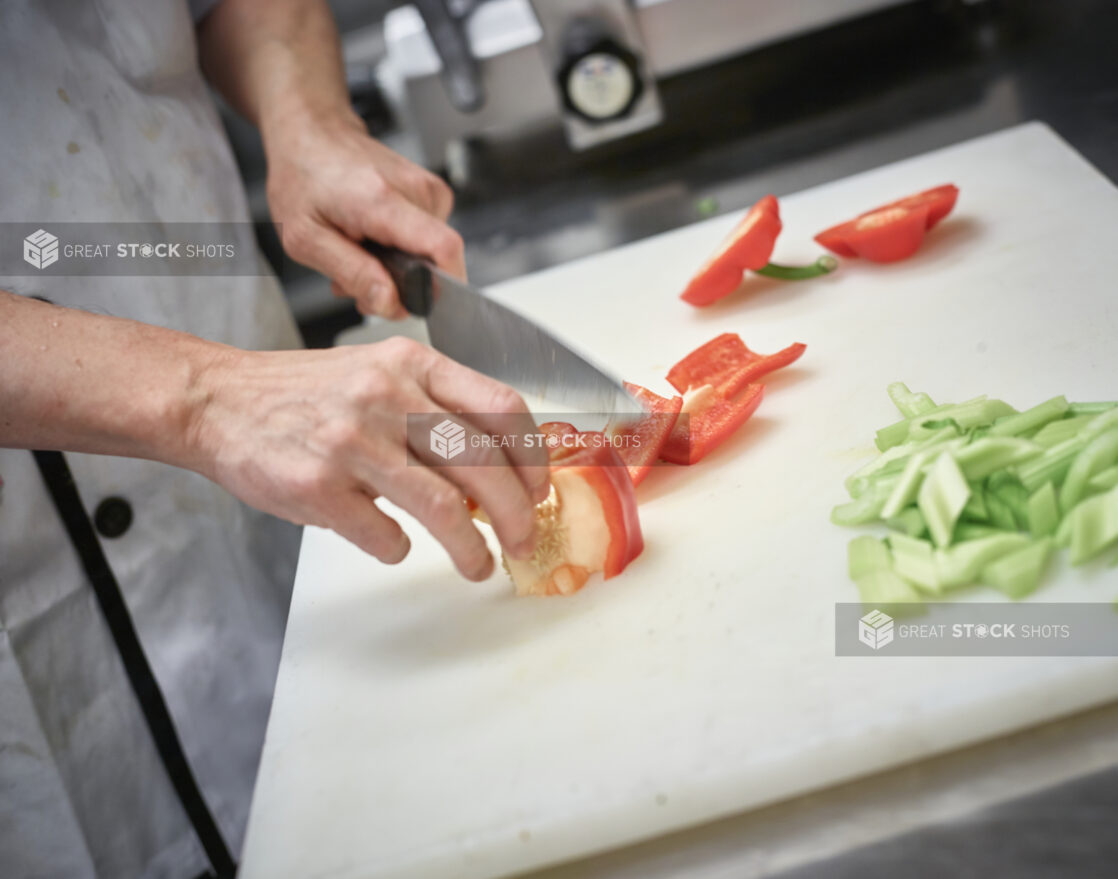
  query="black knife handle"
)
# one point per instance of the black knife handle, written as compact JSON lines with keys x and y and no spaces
{"x":411,"y":274}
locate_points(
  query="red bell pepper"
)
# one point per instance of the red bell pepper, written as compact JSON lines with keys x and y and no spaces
{"x":748,"y":246}
{"x":708,"y":417}
{"x":588,"y":523}
{"x":891,"y":232}
{"x":939,"y":202}
{"x":718,"y":381}
{"x":643,"y":438}
{"x":728,"y":364}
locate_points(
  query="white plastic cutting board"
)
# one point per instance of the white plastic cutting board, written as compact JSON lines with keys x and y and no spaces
{"x":428,"y":727}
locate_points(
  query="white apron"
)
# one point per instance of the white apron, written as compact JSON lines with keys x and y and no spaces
{"x":104,"y":116}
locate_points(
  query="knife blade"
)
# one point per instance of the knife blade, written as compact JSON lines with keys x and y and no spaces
{"x":481,"y":333}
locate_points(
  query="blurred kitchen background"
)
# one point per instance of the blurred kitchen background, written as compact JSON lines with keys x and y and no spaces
{"x":571,"y":126}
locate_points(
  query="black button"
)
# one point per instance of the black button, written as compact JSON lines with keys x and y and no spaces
{"x":113,"y":517}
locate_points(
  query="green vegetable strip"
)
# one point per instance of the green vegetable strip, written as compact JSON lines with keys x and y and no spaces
{"x":908,"y":521}
{"x":942,"y":497}
{"x":1094,"y":526}
{"x":1053,"y":465}
{"x":867,"y":554}
{"x":909,"y":403}
{"x":975,"y":510}
{"x":915,"y":561}
{"x":1100,"y":453}
{"x":1001,"y":516}
{"x":963,"y":563}
{"x":1104,"y":480}
{"x":906,"y":487}
{"x":1007,"y":489}
{"x":974,"y":531}
{"x":1091,"y":408}
{"x":1043,"y":511}
{"x":865,"y":508}
{"x":895,"y":458}
{"x":891,"y":436}
{"x":1030,"y":419}
{"x":1055,"y":432}
{"x":822,"y":266}
{"x":985,"y":456}
{"x":1018,"y":573}
{"x":885,"y":587}
{"x":1062,"y":537}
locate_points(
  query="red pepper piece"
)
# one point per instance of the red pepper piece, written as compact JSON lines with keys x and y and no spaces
{"x":893,"y":231}
{"x":886,"y":235}
{"x":749,"y":246}
{"x":939,"y":202}
{"x":646,"y":435}
{"x":596,"y":462}
{"x":710,"y":418}
{"x":728,"y":364}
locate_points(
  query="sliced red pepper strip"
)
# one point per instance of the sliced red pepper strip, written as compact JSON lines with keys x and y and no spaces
{"x":939,"y":202}
{"x":647,"y":435}
{"x":710,"y":418}
{"x":886,"y":235}
{"x":727,"y":363}
{"x":893,"y":231}
{"x":749,"y":246}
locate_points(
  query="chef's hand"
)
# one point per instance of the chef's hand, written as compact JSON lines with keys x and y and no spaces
{"x":316,"y":436}
{"x":330,"y":185}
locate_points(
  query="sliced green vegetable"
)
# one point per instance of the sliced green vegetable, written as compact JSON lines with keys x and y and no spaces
{"x":975,"y":530}
{"x":1001,"y":515}
{"x":941,"y":498}
{"x":1043,"y":511}
{"x":908,"y":521}
{"x":1055,"y":432}
{"x":866,"y":554}
{"x":1091,"y":408}
{"x":915,"y":560}
{"x":1018,"y":573}
{"x":909,"y":403}
{"x":1101,"y":452}
{"x":1094,"y":526}
{"x":1030,"y":419}
{"x":1008,"y":489}
{"x":906,"y":487}
{"x":961,"y":564}
{"x":993,"y":453}
{"x":978,"y":492}
{"x":864,"y":508}
{"x":975,"y":510}
{"x":885,"y":587}
{"x":1104,"y":480}
{"x":896,"y":457}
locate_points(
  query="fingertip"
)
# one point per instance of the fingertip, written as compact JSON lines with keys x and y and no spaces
{"x":399,"y":552}
{"x":482,"y":573}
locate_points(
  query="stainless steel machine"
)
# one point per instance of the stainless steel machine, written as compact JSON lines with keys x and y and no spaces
{"x":461,"y":70}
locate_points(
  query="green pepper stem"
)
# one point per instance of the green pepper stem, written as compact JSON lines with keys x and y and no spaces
{"x":822,"y":266}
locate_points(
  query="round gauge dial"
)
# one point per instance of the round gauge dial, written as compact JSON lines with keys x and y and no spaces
{"x":601,"y":85}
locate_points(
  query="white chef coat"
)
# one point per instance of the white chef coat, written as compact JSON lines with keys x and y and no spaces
{"x":104,"y":117}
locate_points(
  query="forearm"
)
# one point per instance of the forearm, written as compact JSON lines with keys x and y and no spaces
{"x":84,"y":382}
{"x":278,"y":62}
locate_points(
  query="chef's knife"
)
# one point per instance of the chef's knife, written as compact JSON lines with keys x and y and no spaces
{"x":485,"y":335}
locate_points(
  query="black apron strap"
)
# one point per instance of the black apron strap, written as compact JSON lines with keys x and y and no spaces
{"x":64,"y":493}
